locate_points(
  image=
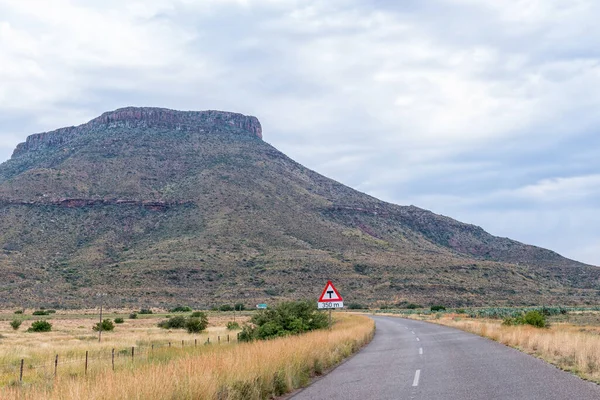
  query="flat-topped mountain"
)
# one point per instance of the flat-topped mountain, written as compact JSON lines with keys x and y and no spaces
{"x":158,"y":207}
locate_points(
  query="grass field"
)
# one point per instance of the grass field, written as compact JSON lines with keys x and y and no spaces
{"x":254,"y":370}
{"x":72,"y":336}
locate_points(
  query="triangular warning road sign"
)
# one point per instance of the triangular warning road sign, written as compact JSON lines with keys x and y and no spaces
{"x":329,"y":294}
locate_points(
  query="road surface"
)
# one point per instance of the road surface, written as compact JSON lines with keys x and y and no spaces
{"x":410,"y":359}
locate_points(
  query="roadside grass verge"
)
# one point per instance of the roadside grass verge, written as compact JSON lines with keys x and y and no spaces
{"x":255,"y":370}
{"x":573,"y":348}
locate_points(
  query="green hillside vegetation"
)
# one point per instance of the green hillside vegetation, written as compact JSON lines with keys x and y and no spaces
{"x":158,"y":213}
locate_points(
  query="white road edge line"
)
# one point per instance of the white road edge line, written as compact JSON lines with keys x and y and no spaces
{"x":417,"y":376}
{"x":420,"y":350}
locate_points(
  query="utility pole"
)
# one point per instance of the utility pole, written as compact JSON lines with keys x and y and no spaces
{"x":101,"y":296}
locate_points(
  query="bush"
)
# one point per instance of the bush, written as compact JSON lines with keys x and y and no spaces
{"x":356,"y":306}
{"x":173,"y":323}
{"x":40,"y":326}
{"x":51,"y":311}
{"x":239,"y":306}
{"x":16,"y":323}
{"x":231,"y":325}
{"x":19,"y":312}
{"x":413,"y":306}
{"x":106,"y":325}
{"x":438,"y":308}
{"x":196,"y":324}
{"x":285,"y":319}
{"x":533,"y":318}
{"x":181,"y":309}
{"x":197,"y":314}
{"x":41,"y":312}
{"x":133,"y":316}
{"x":119,"y":320}
{"x":226,"y":307}
{"x":145,"y":311}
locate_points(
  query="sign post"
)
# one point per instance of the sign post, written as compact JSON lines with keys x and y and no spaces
{"x":330,"y":299}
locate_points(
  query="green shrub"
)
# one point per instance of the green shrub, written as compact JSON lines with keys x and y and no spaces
{"x":239,"y":306}
{"x":145,"y":311}
{"x":41,"y":312}
{"x":16,"y":323}
{"x":106,"y":325}
{"x":196,"y":324}
{"x":231,"y":325}
{"x":356,"y":306}
{"x":534,"y":318}
{"x":285,"y":319}
{"x":133,"y":316}
{"x":19,"y":312}
{"x":119,"y":320}
{"x":413,"y":306}
{"x":173,"y":323}
{"x":226,"y":307}
{"x":40,"y":326}
{"x":438,"y":308}
{"x":181,"y":309}
{"x":461,"y":311}
{"x":197,"y":314}
{"x":51,"y":311}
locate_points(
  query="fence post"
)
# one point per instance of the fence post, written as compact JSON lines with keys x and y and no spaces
{"x":113,"y":359}
{"x":21,"y":373}
{"x":56,"y":366}
{"x":195,"y":342}
{"x":169,"y":344}
{"x":132,"y":352}
{"x":86,"y":361}
{"x":182,"y":343}
{"x":208,"y":340}
{"x":219,"y":339}
{"x":228,"y":338}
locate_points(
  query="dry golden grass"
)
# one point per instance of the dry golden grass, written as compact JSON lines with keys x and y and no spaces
{"x":255,"y":370}
{"x":72,"y":336}
{"x":570,"y":347}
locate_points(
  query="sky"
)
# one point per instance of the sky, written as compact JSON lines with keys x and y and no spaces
{"x":482,"y":110}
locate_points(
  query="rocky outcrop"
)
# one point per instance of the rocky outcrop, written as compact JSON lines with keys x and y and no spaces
{"x":80,"y":203}
{"x":149,"y":117}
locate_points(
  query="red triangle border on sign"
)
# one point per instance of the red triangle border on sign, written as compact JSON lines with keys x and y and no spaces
{"x":322,"y":299}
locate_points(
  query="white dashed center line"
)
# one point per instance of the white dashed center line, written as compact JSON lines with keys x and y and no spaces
{"x":418,"y":340}
{"x":417,"y":376}
{"x":421,"y":350}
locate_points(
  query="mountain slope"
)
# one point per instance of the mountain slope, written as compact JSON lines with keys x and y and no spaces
{"x":159,"y":207}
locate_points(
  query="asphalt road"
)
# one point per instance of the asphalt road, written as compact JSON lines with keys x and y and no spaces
{"x":410,"y":359}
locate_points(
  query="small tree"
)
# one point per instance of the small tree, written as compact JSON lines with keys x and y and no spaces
{"x":119,"y":320}
{"x":40,"y":326}
{"x":16,"y":323}
{"x":106,"y":325}
{"x":196,"y":324}
{"x":177,"y":322}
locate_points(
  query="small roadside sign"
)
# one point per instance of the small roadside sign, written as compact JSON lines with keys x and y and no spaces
{"x":330,"y":298}
{"x":261,"y":306}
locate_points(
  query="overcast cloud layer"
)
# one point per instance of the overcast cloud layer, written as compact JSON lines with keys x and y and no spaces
{"x":482,"y":110}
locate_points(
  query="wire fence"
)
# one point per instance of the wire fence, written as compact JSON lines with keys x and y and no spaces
{"x":109,"y":358}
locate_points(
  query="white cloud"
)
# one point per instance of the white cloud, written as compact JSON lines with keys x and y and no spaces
{"x":450,"y":104}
